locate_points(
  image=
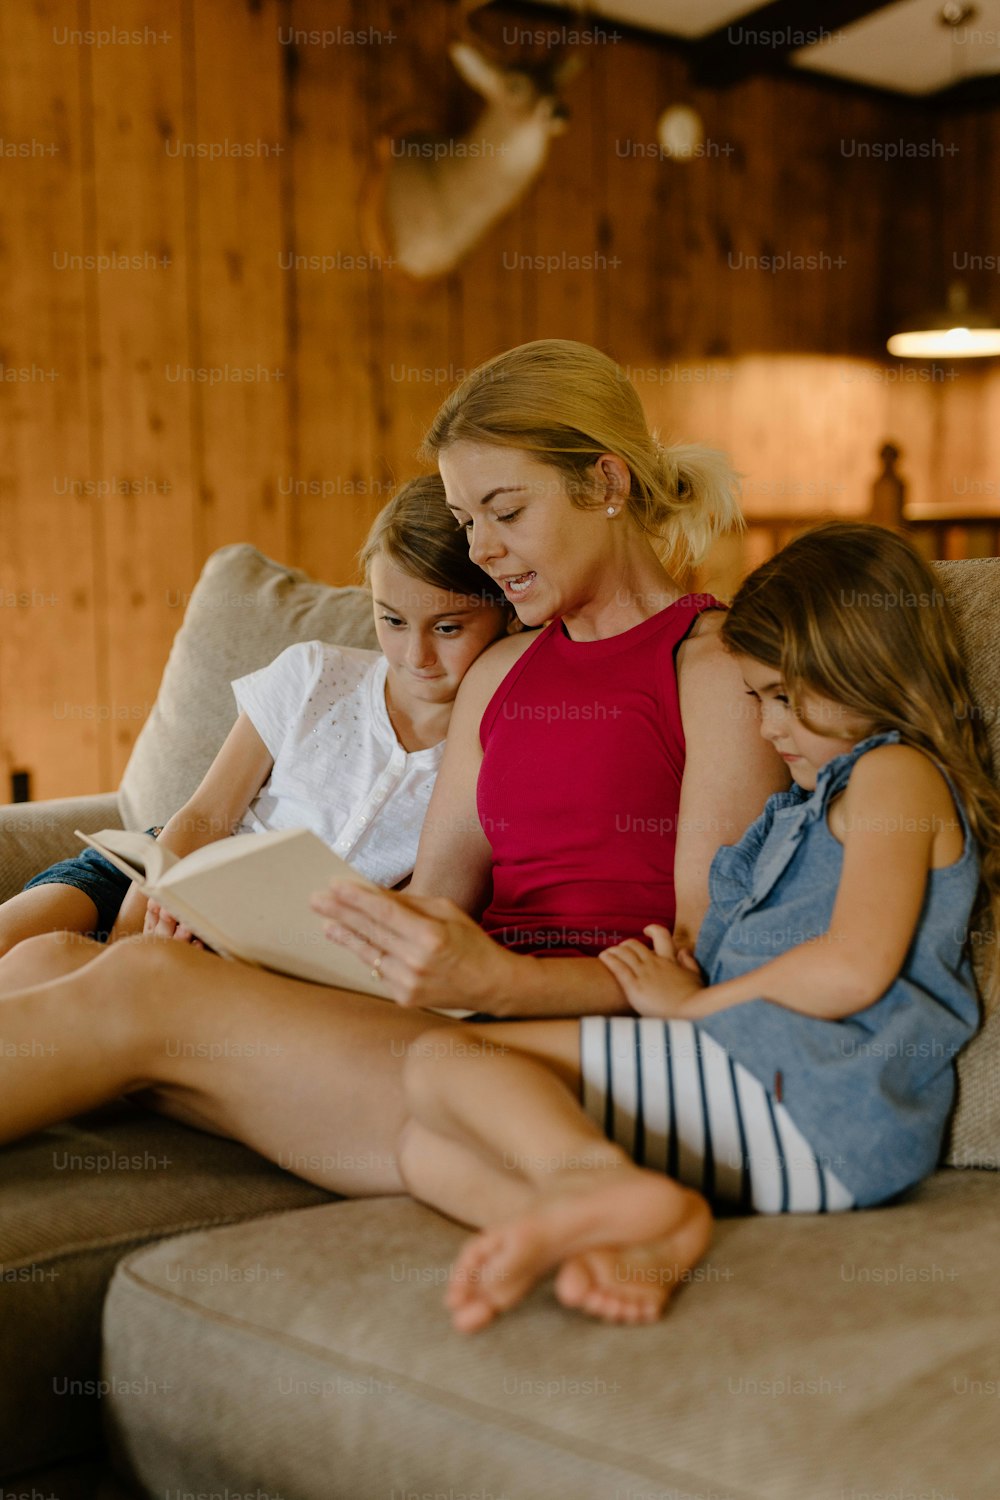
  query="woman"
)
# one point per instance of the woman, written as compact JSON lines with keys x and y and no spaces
{"x":548,"y":462}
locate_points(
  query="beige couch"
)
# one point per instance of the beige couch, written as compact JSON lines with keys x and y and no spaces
{"x":276,"y":1342}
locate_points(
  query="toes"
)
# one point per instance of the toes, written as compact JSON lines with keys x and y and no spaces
{"x":469,"y":1270}
{"x":590,"y":1283}
{"x":481,"y":1285}
{"x":611,"y":1308}
{"x":472,"y":1317}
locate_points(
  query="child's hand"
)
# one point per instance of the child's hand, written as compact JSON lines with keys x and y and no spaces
{"x":162,"y":924}
{"x":655,"y":983}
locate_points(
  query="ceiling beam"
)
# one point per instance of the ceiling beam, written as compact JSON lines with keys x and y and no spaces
{"x":761,"y":41}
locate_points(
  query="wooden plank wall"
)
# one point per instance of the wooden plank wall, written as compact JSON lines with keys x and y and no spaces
{"x":253,"y":372}
{"x":142,"y":406}
{"x":53,"y":626}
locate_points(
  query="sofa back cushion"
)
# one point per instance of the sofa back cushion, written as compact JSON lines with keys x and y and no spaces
{"x":973,"y":591}
{"x":243,"y":611}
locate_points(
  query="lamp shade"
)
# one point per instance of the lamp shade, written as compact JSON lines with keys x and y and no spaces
{"x":955,"y":332}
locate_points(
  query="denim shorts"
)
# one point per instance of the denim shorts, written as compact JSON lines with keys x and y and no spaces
{"x":97,"y":878}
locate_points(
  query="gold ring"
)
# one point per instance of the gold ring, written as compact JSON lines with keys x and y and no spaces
{"x":377,"y":967}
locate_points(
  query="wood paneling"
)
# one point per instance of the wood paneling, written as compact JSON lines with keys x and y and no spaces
{"x":412,"y":324}
{"x":53,"y":656}
{"x":238,"y":295}
{"x":268,"y":270}
{"x":567,"y":273}
{"x":337,"y":455}
{"x":639,"y":296}
{"x":142,"y":403}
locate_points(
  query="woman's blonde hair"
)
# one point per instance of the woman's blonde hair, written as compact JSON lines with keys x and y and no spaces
{"x":417,"y":532}
{"x":566,"y":404}
{"x":851,"y":611}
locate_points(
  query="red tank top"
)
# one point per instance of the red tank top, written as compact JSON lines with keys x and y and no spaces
{"x":579,"y":788}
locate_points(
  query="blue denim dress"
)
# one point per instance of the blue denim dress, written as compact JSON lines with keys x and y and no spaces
{"x":872,"y":1092}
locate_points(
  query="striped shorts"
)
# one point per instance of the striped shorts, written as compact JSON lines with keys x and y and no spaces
{"x":673,"y":1098}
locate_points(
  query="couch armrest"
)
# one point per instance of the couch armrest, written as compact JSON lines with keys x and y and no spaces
{"x":36,"y":834}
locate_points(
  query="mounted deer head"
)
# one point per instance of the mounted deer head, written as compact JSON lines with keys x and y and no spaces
{"x":438,"y":196}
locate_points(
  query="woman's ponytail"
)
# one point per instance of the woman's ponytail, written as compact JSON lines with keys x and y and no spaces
{"x":696,"y":500}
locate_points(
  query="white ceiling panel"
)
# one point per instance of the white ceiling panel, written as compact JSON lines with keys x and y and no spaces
{"x":905,"y":47}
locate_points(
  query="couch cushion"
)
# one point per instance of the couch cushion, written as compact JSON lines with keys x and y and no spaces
{"x":243,"y":611}
{"x":80,"y":1479}
{"x":819,"y":1357}
{"x":34,"y":835}
{"x":973,"y":591}
{"x":73,"y":1200}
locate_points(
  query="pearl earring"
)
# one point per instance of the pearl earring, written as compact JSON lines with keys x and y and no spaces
{"x":611,"y":510}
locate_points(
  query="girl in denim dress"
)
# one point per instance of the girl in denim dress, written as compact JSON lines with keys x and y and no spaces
{"x":803,"y":1057}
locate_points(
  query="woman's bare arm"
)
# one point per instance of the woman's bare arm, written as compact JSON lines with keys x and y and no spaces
{"x":896,"y":810}
{"x":454,"y":854}
{"x":729,"y":770}
{"x":414,"y":929}
{"x":434,"y":955}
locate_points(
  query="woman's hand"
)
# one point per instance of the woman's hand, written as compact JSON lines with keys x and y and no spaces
{"x":656,"y":982}
{"x":162,"y":924}
{"x":426,"y":948}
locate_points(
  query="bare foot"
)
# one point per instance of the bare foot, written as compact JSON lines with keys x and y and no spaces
{"x":623,"y":1243}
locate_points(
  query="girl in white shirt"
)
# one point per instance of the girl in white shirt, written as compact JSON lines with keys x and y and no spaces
{"x":342,"y":741}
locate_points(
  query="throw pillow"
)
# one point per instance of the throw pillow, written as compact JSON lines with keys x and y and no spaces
{"x":244,"y":610}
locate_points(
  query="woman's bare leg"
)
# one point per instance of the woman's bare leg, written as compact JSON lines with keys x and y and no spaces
{"x":622,"y":1236}
{"x":45,"y":908}
{"x":456,"y":1180}
{"x":313,"y":1079}
{"x":48,"y":956}
{"x":462,"y":1177}
{"x":308,"y":1076}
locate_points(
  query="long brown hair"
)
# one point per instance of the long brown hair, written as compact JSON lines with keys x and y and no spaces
{"x":852,"y":612}
{"x":566,"y":403}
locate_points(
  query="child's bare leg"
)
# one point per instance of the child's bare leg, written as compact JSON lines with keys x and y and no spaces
{"x":45,"y":908}
{"x":622,"y":1236}
{"x":456,"y":1180}
{"x":309,"y":1076}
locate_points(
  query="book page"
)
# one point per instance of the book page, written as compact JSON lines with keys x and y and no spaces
{"x":256,"y":898}
{"x":137,"y":855}
{"x":248,"y":898}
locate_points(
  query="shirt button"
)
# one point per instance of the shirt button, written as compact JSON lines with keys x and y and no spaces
{"x":362,"y":819}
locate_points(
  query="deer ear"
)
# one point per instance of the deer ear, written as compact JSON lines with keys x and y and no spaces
{"x":476,"y":70}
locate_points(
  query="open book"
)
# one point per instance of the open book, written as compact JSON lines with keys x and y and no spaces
{"x":248,"y":898}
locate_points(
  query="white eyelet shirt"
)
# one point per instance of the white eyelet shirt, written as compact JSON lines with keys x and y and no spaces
{"x":338,"y":767}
